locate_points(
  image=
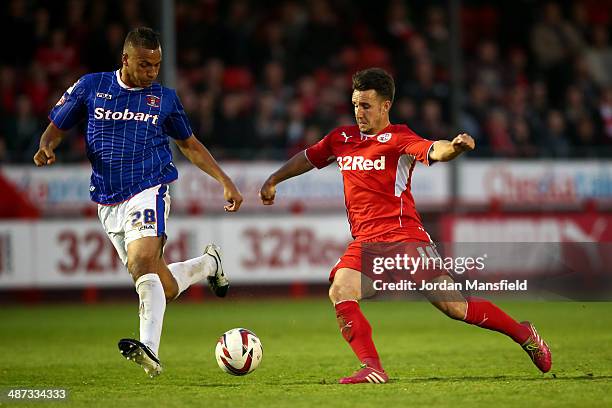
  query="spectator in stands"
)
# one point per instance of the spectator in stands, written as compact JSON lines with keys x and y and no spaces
{"x":323,"y":35}
{"x":425,"y":85}
{"x":273,"y":81}
{"x":497,"y":129}
{"x":326,"y":110}
{"x":3,"y":153}
{"x":431,"y":124}
{"x":555,"y":142}
{"x":213,"y":76}
{"x":41,"y":26}
{"x":404,"y":111}
{"x":555,"y":42}
{"x":269,"y":124}
{"x":576,"y":109}
{"x":271,"y":46}
{"x":515,"y":71}
{"x":539,"y":99}
{"x":520,"y":132}
{"x":308,"y":93}
{"x":8,"y":91}
{"x":414,"y":50}
{"x":399,"y":28}
{"x":605,"y":110}
{"x":203,"y":121}
{"x":436,"y":31}
{"x":234,"y":127}
{"x":487,"y":69}
{"x":237,"y":31}
{"x":105,"y":45}
{"x":58,"y":56}
{"x":37,"y":89}
{"x":77,"y":27}
{"x":232,"y":53}
{"x":518,"y":109}
{"x":478,"y":103}
{"x":296,"y":125}
{"x":599,"y":56}
{"x":581,"y":78}
{"x":579,"y":17}
{"x":21,"y":131}
{"x":15,"y":21}
{"x":586,"y":137}
{"x":312,"y":135}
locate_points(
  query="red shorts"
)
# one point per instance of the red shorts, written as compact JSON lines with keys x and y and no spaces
{"x":399,"y":241}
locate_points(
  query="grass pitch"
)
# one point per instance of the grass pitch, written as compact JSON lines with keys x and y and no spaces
{"x":431,"y":359}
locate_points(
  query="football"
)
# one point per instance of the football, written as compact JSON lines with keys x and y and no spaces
{"x":239,"y":351}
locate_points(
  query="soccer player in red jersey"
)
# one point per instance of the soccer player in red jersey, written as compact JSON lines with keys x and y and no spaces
{"x":376,"y":159}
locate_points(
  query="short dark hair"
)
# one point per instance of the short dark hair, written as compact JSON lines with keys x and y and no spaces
{"x":377,"y":79}
{"x":142,"y":37}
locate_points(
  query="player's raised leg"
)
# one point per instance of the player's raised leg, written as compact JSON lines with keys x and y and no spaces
{"x":208,"y":266}
{"x":345,"y":293}
{"x":483,"y":313}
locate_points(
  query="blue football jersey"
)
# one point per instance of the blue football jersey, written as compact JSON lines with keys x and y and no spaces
{"x":127,"y":133}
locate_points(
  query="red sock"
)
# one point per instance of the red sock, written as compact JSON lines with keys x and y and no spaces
{"x":482,"y":313}
{"x":357,"y":332}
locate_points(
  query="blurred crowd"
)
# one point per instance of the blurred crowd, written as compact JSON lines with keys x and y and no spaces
{"x":264,"y":79}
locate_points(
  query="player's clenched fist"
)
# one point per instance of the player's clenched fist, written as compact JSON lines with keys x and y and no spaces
{"x":44,"y":156}
{"x":463,"y":142}
{"x":233,"y":197}
{"x":267,"y":193}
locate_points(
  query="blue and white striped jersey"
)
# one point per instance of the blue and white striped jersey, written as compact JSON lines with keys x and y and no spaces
{"x":127,"y":133}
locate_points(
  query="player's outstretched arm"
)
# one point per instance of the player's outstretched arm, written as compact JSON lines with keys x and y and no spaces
{"x":199,"y":155}
{"x":443,"y":150}
{"x":50,"y":139}
{"x":295,"y":166}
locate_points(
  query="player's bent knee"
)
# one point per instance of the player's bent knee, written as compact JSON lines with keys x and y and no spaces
{"x":339,"y":292}
{"x":140,"y":264}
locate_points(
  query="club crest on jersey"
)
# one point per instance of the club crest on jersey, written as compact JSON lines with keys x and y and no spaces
{"x":153,"y":101}
{"x":384,"y":138}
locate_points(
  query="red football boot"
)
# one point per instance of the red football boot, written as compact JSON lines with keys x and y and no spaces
{"x":537,"y":349}
{"x":366,"y":375}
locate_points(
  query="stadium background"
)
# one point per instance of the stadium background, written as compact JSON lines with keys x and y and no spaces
{"x":261,"y":80}
{"x":532,"y":82}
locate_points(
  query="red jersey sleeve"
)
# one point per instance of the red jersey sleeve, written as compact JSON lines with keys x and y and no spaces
{"x":414,"y":145}
{"x":320,"y":154}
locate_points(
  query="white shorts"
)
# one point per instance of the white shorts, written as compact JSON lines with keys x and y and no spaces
{"x":143,"y":215}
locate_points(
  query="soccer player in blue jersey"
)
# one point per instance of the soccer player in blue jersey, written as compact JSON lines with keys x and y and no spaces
{"x":130,"y":119}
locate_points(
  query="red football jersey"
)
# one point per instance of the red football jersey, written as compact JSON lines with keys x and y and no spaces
{"x":376,"y":170}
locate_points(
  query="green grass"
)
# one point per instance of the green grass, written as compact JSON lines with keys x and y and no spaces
{"x":432,"y":360}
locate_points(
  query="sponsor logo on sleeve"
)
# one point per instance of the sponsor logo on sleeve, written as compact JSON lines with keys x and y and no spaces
{"x":62,"y":100}
{"x":69,"y":90}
